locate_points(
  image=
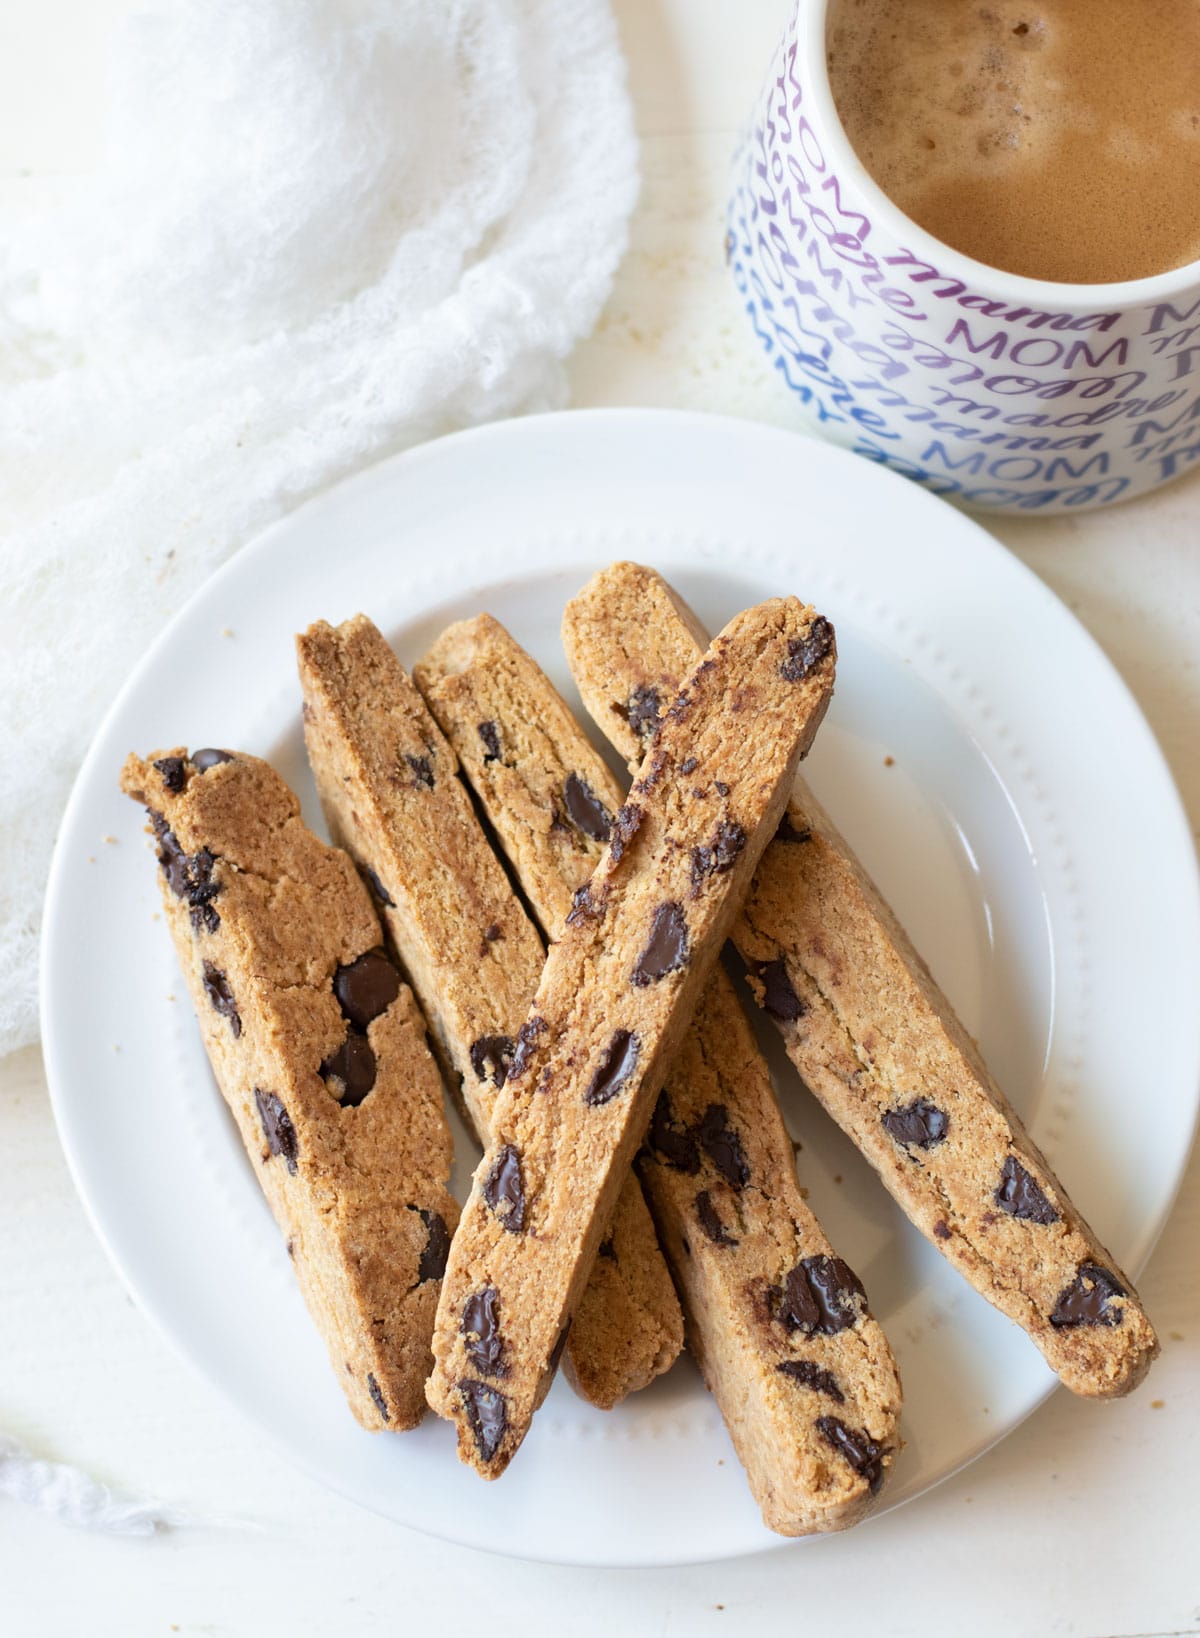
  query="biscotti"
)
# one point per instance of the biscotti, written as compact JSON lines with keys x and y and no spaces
{"x":778,"y":1323}
{"x":319,"y":1050}
{"x":873,"y":1036}
{"x":392,"y":796}
{"x":611,"y":1009}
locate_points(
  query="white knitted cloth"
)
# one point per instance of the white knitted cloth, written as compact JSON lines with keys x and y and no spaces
{"x":325,"y":229}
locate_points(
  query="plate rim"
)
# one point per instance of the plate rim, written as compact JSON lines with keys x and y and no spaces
{"x":382,"y":472}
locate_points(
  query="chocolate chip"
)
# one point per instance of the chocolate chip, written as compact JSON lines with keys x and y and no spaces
{"x":941,"y":1230}
{"x":608,"y":1250}
{"x":676,"y":1145}
{"x":491,"y":1056}
{"x":666,"y":948}
{"x":614,"y":1069}
{"x":721,"y":788}
{"x":722,"y":1145}
{"x":291,"y":1249}
{"x":481,"y":1329}
{"x":812,"y":1376}
{"x":174,"y":774}
{"x":641,"y":713}
{"x":277,"y":1127}
{"x":820,"y":1294}
{"x":689,"y":765}
{"x":584,"y":907}
{"x":504,"y":1189}
{"x":917,"y":1125}
{"x":437,"y":1246}
{"x":787,"y":832}
{"x":487,"y":1415}
{"x":351,"y":1069}
{"x":366,"y":988}
{"x":710,"y":1221}
{"x":189,"y":876}
{"x":1085,"y":1300}
{"x":492,"y":932}
{"x":1020,"y":1196}
{"x":585,"y":809}
{"x":377,"y":887}
{"x":779,"y":998}
{"x":720,"y":855}
{"x":526,"y":1041}
{"x":863,"y":1454}
{"x":625,"y":828}
{"x":422,"y":771}
{"x":807,"y":651}
{"x":216,"y":987}
{"x":376,"y":1393}
{"x":489,"y":733}
{"x":204,"y":916}
{"x":208,"y":758}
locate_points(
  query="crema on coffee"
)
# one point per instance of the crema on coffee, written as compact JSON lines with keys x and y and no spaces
{"x":1058,"y":140}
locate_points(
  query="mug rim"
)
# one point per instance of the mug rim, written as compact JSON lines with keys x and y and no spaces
{"x":990,"y":281}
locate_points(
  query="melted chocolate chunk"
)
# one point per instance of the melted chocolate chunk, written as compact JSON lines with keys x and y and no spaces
{"x":174,"y":774}
{"x":625,"y":828}
{"x":422,"y":771}
{"x":481,"y":1329}
{"x":526,"y":1040}
{"x":492,"y":932}
{"x":489,"y":733}
{"x":941,"y":1230}
{"x":504,"y":1190}
{"x":787,"y":832}
{"x":608,"y":1250}
{"x":807,"y":651}
{"x":812,"y":1376}
{"x":584,"y":907}
{"x":676,"y":1145}
{"x":666,"y":948}
{"x":688,"y":765}
{"x":1020,"y":1196}
{"x":377,"y":887}
{"x":487,"y":1415}
{"x":585,"y":809}
{"x":366,"y":988}
{"x":779,"y":998}
{"x":277,"y":1127}
{"x":351,"y":1069}
{"x":208,"y":758}
{"x":820,"y":1294}
{"x":216,"y":987}
{"x":710,"y":1221}
{"x":189,"y":876}
{"x":1085,"y":1300}
{"x":376,"y":1393}
{"x":615,"y":1067}
{"x":722,"y":1145}
{"x":641,"y":713}
{"x":491,"y":1055}
{"x":917,"y":1125}
{"x":720,"y":855}
{"x":861,"y":1451}
{"x":437,"y":1245}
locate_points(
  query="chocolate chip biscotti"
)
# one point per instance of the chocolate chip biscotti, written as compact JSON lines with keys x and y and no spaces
{"x":319,"y":1050}
{"x":777,"y":1321}
{"x":873,"y":1036}
{"x":392,"y":795}
{"x":611,"y":1009}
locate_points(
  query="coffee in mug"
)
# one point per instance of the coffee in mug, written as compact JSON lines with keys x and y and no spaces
{"x":1059,"y":140}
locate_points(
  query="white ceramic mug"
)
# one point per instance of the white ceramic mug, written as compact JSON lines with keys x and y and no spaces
{"x":1006,"y":393}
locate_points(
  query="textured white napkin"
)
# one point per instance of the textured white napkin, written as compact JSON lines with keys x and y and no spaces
{"x":73,"y":1498}
{"x":325,"y":229}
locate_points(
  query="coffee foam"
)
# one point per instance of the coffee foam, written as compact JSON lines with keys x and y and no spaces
{"x":1059,"y":140}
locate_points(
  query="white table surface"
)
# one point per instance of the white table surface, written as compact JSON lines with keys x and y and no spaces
{"x":1082,"y":1522}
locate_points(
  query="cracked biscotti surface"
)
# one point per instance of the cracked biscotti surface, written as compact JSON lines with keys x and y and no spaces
{"x":612,"y":1006}
{"x":319,"y":1050}
{"x":392,"y":795}
{"x":778,"y":1323}
{"x":873,"y":1036}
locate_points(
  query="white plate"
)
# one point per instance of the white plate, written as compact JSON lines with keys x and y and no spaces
{"x":1027,"y":832}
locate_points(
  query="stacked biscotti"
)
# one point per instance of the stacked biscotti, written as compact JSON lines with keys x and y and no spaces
{"x":500,"y":915}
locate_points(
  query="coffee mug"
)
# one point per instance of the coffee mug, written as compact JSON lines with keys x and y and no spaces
{"x":1005,"y":393}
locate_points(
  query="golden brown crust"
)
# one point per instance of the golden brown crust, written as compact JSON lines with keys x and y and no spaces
{"x":610,"y":1011}
{"x":721,"y":1181}
{"x":874,"y":1038}
{"x":389,"y":784}
{"x":266,"y":920}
